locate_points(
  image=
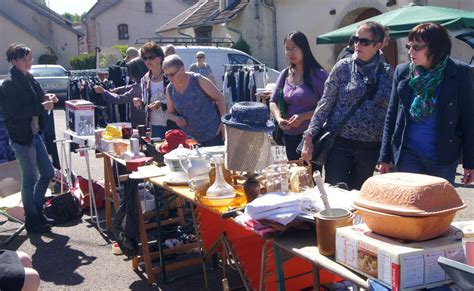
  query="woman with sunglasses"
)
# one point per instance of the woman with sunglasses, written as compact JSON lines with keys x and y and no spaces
{"x":153,"y":87}
{"x":26,"y":106}
{"x":201,"y":67}
{"x":430,"y":118}
{"x":299,"y":88}
{"x":364,"y":76}
{"x":194,"y":103}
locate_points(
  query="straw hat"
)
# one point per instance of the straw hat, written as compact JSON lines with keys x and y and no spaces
{"x":173,"y":138}
{"x":247,"y":150}
{"x":250,"y":116}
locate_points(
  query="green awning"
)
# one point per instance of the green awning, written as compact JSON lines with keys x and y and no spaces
{"x":402,"y":20}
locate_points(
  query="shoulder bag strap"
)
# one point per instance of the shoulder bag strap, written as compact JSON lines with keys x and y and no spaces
{"x":281,"y":102}
{"x":369,"y":94}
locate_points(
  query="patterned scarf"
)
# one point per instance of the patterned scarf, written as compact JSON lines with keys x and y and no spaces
{"x":368,"y":69}
{"x":424,"y":83}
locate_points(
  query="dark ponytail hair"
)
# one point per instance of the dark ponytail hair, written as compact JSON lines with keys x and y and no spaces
{"x":310,"y":64}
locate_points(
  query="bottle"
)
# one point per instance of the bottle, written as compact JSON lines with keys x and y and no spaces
{"x":220,"y":188}
{"x":284,"y":179}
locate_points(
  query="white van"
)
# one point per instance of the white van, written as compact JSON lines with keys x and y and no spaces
{"x":217,"y":57}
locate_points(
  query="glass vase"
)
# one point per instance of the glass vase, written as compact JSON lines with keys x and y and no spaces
{"x":220,"y":188}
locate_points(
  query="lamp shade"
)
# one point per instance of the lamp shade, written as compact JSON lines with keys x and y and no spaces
{"x":247,"y":151}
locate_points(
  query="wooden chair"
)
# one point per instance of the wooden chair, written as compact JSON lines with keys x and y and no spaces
{"x":10,"y":198}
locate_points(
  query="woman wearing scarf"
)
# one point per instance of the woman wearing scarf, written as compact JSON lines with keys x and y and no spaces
{"x":353,"y":158}
{"x":430,"y":118}
{"x":25,"y":106}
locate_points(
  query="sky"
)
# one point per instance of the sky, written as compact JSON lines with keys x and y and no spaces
{"x":71,"y":6}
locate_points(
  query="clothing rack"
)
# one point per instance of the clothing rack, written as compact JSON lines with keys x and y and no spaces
{"x":94,"y":72}
{"x":262,"y":66}
{"x":87,"y":73}
{"x":241,"y":82}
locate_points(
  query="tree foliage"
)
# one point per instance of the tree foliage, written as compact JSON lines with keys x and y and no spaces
{"x":83,"y":62}
{"x":73,"y":17}
{"x":242,"y":45}
{"x":122,"y":48}
{"x":48,"y":59}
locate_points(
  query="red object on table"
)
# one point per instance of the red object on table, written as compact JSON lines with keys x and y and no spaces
{"x":248,"y":247}
{"x":132,"y":165}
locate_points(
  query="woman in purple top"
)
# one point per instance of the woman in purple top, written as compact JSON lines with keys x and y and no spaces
{"x":299,"y":88}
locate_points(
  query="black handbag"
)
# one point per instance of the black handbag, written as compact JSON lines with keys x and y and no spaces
{"x":62,"y":208}
{"x":277,"y":134}
{"x":324,"y":140}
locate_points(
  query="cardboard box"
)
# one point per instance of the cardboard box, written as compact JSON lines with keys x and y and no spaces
{"x":80,"y":117}
{"x":397,"y":264}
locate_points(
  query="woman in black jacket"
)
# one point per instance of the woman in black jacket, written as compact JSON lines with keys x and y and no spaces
{"x":430,"y":117}
{"x":24,"y":105}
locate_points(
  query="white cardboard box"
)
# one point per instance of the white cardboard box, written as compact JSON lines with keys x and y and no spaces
{"x":397,"y":264}
{"x":80,"y":116}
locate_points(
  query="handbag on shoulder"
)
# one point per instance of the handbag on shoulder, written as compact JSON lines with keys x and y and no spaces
{"x":277,"y":134}
{"x":324,"y":140}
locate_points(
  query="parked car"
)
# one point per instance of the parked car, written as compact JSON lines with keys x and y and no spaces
{"x":53,"y":79}
{"x":217,"y":57}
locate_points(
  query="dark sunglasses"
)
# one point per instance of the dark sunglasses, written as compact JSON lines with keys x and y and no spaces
{"x":149,"y":57}
{"x":201,"y":57}
{"x":415,"y":47}
{"x":362,"y":41}
{"x":172,"y":74}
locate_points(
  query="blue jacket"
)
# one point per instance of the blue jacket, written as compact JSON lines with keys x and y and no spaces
{"x":455,"y":119}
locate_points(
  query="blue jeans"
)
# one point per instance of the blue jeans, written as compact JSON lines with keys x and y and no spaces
{"x":412,"y":162}
{"x":33,"y":159}
{"x":158,"y":131}
{"x":351,"y":162}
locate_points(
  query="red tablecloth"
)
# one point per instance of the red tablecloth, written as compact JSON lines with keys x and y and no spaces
{"x":248,"y":246}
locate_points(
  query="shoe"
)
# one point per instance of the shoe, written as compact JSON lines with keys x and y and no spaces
{"x":46,"y":220}
{"x":33,"y":224}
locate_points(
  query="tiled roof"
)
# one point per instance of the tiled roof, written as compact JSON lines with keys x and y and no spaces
{"x":201,"y":15}
{"x":205,"y":12}
{"x":180,"y":18}
{"x":230,"y":12}
{"x":100,"y":7}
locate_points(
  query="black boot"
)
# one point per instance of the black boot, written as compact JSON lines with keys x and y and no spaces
{"x":34,"y":224}
{"x":44,"y":219}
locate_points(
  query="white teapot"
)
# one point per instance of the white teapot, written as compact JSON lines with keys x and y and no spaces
{"x":195,"y":165}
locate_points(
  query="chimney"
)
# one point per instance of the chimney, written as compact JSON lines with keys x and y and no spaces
{"x":222,"y":5}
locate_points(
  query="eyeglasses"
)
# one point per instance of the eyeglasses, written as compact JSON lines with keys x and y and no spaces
{"x":172,"y":74}
{"x":291,"y":50}
{"x":149,"y":57}
{"x":415,"y":47}
{"x":200,"y":57}
{"x":362,"y":41}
